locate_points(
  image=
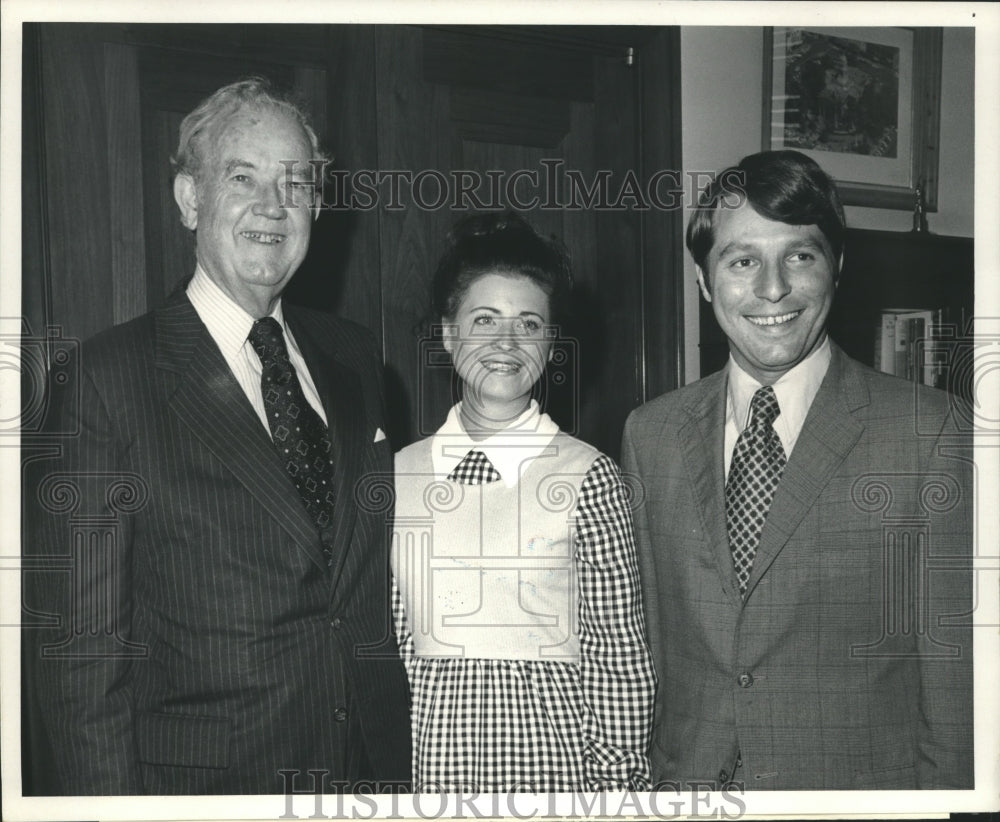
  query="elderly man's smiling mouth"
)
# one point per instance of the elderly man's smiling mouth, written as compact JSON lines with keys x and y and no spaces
{"x":263,"y":237}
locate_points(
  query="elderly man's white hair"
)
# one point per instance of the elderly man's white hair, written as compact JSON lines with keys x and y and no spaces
{"x":198,"y":126}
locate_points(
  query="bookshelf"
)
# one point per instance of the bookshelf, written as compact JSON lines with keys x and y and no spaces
{"x":882,"y":269}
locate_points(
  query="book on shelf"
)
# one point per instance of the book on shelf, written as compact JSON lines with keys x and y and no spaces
{"x":909,"y":344}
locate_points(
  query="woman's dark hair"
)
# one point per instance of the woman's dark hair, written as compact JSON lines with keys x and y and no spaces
{"x":501,"y":244}
{"x":785,"y":186}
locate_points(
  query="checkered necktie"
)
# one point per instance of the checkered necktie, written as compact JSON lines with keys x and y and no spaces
{"x":298,"y":432}
{"x":474,"y":469}
{"x":757,"y":464}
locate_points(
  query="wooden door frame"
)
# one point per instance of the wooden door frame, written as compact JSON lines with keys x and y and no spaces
{"x":662,"y":231}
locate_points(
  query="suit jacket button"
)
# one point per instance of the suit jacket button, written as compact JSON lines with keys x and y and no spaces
{"x":744,"y":680}
{"x":723,"y":778}
{"x":340,"y":714}
{"x":336,"y":623}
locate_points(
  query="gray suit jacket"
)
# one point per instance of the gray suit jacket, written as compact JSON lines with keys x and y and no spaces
{"x":850,"y":664}
{"x":200,"y":644}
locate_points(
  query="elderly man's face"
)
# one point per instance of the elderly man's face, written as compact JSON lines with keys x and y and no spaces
{"x":771,"y":286}
{"x":252,"y":217}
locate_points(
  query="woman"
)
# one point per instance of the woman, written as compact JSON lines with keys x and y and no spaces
{"x":517,"y":600}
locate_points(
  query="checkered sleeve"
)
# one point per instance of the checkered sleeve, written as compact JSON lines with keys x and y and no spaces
{"x":615,"y":666}
{"x":403,"y":636}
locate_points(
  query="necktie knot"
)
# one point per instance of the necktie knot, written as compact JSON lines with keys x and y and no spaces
{"x":267,"y":339}
{"x":764,"y":409}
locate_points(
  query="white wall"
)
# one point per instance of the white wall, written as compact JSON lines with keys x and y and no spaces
{"x":721,"y":105}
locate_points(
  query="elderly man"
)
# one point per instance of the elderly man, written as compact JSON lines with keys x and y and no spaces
{"x":794,"y":504}
{"x":229,"y":636}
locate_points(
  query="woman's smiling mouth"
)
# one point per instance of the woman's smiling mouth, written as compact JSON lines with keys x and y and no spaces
{"x":501,"y":366}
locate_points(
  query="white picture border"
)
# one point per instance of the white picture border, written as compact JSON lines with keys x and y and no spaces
{"x":985,"y":18}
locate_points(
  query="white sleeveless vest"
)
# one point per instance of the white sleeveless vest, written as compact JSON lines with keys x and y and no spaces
{"x":488,"y":571}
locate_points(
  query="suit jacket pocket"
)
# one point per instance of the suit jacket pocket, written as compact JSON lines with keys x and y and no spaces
{"x":179,"y":739}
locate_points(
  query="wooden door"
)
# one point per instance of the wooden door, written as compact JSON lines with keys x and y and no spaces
{"x":532,"y":107}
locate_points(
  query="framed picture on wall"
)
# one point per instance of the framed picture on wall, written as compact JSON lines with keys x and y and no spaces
{"x":865,"y":103}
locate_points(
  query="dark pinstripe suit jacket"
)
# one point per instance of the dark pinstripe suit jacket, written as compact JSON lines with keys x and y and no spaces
{"x":217,"y":650}
{"x":850,"y":681}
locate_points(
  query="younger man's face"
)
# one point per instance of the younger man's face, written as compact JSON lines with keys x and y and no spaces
{"x":771,"y":286}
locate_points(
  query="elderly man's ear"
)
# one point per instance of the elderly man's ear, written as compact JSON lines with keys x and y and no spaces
{"x":186,"y":196}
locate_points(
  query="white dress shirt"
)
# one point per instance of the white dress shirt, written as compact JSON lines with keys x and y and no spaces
{"x":230,"y":327}
{"x":795,"y":390}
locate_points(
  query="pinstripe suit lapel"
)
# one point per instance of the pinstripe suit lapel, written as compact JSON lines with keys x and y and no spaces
{"x":339,"y":388}
{"x":829,"y":433}
{"x":209,"y":401}
{"x":702,"y":439}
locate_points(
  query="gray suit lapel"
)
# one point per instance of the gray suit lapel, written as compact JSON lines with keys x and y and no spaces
{"x":209,"y":401}
{"x":702,"y":437}
{"x":828,"y":434}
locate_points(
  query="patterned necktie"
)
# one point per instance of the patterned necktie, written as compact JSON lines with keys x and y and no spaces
{"x":298,"y":432}
{"x":757,"y":464}
{"x":474,"y":469}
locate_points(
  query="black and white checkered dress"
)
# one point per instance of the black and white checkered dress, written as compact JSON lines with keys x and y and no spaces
{"x":500,"y":725}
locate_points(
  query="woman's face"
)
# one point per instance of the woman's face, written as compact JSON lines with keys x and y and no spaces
{"x":499,"y":341}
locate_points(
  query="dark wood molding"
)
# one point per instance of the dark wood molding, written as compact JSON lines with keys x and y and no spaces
{"x":605,"y":41}
{"x":472,"y":57}
{"x":125,"y":173}
{"x":36,"y":265}
{"x":663,"y":230}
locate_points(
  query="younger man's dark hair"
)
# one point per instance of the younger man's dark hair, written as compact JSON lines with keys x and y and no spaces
{"x":785,"y":186}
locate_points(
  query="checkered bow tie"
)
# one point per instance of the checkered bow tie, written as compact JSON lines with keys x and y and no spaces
{"x":754,"y":472}
{"x":298,"y":432}
{"x":474,"y":469}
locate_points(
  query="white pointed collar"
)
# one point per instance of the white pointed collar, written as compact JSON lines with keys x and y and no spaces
{"x":510,"y":450}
